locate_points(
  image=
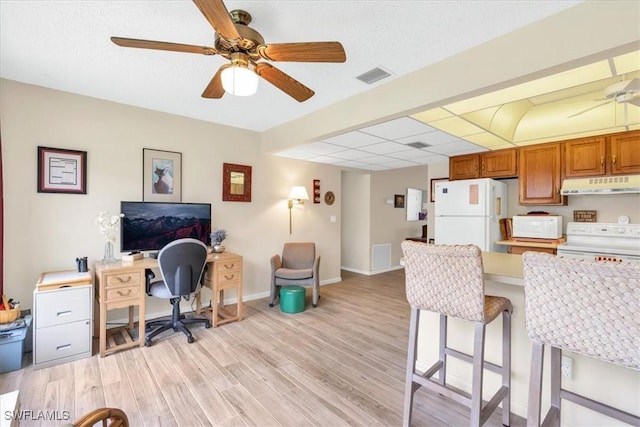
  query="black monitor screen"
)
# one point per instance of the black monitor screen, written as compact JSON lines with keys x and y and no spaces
{"x":149,"y":226}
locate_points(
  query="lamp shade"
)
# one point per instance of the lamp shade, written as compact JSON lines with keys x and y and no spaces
{"x":298,"y":192}
{"x":239,"y":80}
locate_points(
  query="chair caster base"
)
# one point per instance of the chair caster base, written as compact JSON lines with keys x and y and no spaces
{"x":147,"y":343}
{"x":271,"y":305}
{"x":207,"y":325}
{"x":190,"y":340}
{"x":314,"y":305}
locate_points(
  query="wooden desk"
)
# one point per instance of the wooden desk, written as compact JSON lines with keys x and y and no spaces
{"x":122,"y":285}
{"x":225,"y":273}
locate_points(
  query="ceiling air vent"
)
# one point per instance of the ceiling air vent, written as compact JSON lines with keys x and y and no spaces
{"x":373,"y":76}
{"x":418,"y":144}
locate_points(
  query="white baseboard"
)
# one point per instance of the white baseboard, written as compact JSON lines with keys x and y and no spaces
{"x":374,"y":272}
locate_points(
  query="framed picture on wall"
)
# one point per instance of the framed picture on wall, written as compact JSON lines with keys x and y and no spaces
{"x":62,"y":171}
{"x":398,"y":201}
{"x":236,"y":183}
{"x":161,"y":176}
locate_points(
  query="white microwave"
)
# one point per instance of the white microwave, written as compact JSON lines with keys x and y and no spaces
{"x":537,"y":226}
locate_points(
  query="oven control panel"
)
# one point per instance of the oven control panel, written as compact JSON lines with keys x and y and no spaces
{"x":603,"y":229}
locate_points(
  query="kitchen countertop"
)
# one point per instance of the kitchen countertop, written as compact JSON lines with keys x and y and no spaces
{"x":532,"y":244}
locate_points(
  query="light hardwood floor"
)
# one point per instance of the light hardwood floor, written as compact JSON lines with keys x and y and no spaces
{"x":342,"y":363}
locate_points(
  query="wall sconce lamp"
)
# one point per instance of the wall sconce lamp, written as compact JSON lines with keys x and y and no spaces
{"x":297,"y":194}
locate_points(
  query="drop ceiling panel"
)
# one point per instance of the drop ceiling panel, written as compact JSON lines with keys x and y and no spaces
{"x":431,"y":138}
{"x":353,"y":139}
{"x":385,"y":148}
{"x":398,"y":128}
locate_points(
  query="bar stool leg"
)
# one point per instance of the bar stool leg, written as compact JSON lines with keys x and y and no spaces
{"x":442,"y":375}
{"x":553,"y":416}
{"x":478,"y":372}
{"x":506,"y":367}
{"x":409,"y":387}
{"x":535,"y":385}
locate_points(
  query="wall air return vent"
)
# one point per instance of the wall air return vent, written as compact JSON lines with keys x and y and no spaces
{"x":373,"y":76}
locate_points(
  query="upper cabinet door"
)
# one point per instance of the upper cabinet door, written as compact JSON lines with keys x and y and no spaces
{"x":625,"y":153}
{"x":585,"y":157}
{"x":540,"y":174}
{"x":464,"y":167}
{"x":499,"y":164}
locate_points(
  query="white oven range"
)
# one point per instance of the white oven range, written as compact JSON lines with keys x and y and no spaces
{"x":602,"y":242}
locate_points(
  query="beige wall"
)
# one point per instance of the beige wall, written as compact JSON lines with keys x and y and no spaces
{"x":355,"y":239}
{"x":45,"y":232}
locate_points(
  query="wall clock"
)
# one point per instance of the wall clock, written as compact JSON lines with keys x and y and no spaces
{"x":329,"y":197}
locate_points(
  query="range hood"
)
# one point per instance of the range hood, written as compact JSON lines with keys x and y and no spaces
{"x":601,"y":185}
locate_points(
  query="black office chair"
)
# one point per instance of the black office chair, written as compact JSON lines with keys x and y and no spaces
{"x":181,"y":264}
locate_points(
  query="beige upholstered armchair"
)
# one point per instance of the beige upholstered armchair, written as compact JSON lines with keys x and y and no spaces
{"x":298,"y":266}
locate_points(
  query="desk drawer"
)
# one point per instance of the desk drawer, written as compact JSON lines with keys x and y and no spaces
{"x":57,"y":342}
{"x":121,"y":279}
{"x":227,"y":266}
{"x":62,"y":306}
{"x":123,"y":292}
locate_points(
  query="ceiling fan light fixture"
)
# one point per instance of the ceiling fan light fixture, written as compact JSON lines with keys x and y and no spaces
{"x":239,"y":80}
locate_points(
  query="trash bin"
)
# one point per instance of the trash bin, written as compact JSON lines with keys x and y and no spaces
{"x":292,"y":299}
{"x":12,"y":346}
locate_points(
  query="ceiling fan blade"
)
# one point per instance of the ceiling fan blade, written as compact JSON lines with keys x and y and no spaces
{"x":589,"y":109}
{"x":174,"y":47}
{"x":284,"y":82}
{"x":218,"y":16}
{"x":215,"y":89}
{"x":303,"y":52}
{"x":635,"y":101}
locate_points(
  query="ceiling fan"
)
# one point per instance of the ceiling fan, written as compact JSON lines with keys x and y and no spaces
{"x":624,"y":92}
{"x":244,"y":47}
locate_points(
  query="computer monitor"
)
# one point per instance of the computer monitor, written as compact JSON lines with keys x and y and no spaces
{"x":149,"y":226}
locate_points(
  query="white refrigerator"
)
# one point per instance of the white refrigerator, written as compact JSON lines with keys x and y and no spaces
{"x":469,"y":212}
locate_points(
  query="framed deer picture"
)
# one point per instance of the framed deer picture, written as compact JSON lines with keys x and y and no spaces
{"x":161,"y":176}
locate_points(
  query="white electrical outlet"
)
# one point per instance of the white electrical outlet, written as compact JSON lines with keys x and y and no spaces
{"x":567,"y":367}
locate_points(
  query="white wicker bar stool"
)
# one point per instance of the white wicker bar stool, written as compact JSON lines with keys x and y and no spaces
{"x":586,"y":307}
{"x":448,"y":279}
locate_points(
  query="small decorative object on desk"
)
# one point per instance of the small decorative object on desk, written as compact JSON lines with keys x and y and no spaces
{"x":108,"y":226}
{"x":217,"y":237}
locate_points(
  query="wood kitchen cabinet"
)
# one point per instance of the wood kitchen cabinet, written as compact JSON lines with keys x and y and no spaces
{"x":624,"y":150}
{"x":585,"y":157}
{"x":617,"y":154}
{"x":492,"y":164}
{"x":540,"y":174}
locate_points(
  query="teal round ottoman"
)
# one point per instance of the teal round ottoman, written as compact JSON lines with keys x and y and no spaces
{"x":292,"y":299}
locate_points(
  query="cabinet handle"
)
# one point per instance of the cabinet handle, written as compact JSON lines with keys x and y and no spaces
{"x":483,"y":166}
{"x":124,"y":281}
{"x":475,"y":168}
{"x":122,"y":294}
{"x":63,"y":347}
{"x":63,"y":313}
{"x":229,"y":277}
{"x":613,"y":161}
{"x":602,"y":161}
{"x":229,"y":266}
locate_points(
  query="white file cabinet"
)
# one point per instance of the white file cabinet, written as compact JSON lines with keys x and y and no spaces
{"x":62,"y":310}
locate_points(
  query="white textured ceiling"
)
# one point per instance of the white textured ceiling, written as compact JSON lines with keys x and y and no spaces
{"x":65,"y":45}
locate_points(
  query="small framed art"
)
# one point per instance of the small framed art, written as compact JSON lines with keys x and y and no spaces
{"x":62,"y":171}
{"x":398,"y":201}
{"x":161,"y":176}
{"x":236,"y":183}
